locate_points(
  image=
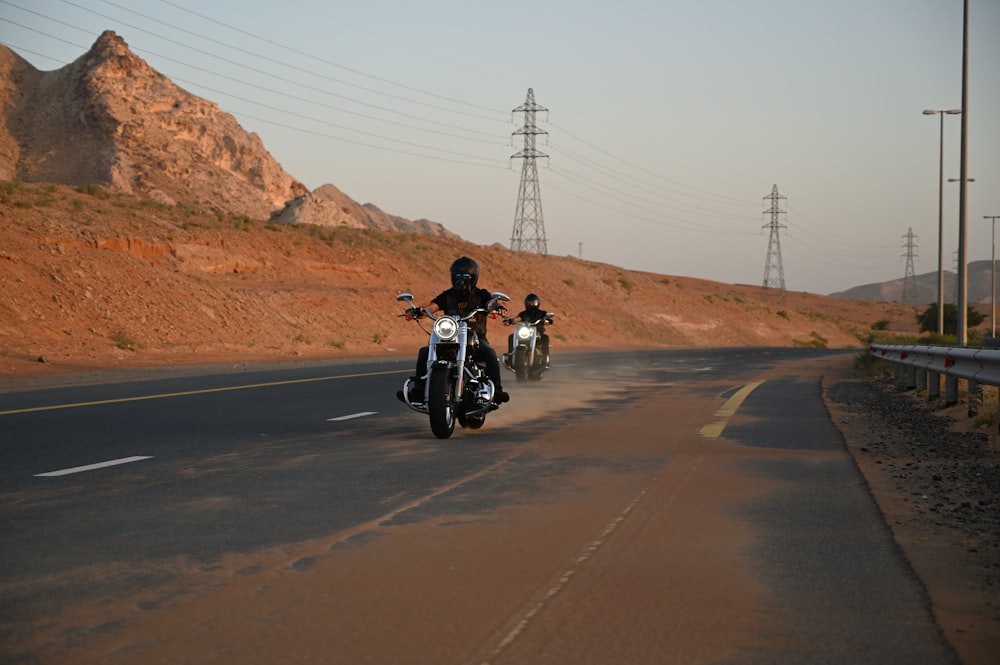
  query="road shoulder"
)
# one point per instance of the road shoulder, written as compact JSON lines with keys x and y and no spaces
{"x":936,"y":480}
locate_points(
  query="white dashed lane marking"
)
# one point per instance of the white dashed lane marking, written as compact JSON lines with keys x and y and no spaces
{"x":360,"y":414}
{"x":99,"y":465}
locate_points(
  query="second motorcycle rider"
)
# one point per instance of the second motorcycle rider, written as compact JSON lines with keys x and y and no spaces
{"x":533,"y":313}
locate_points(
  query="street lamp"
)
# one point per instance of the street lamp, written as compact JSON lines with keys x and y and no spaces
{"x":940,"y":289}
{"x":993,"y":277}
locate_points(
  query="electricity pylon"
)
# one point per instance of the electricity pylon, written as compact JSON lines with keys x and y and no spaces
{"x":909,"y":296}
{"x":529,"y":228}
{"x":774,"y":273}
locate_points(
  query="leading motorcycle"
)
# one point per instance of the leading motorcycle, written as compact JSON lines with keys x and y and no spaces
{"x":525,"y":357}
{"x":456,"y":387}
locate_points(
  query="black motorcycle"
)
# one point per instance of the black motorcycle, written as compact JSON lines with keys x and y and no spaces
{"x":525,"y":357}
{"x":456,"y":387}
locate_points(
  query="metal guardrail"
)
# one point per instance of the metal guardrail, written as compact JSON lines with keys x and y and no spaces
{"x":921,"y":367}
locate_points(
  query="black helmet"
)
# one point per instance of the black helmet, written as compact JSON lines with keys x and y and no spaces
{"x":532,"y":302}
{"x":464,"y":274}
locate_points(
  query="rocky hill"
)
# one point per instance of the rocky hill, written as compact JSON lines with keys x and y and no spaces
{"x":91,"y":279}
{"x":110,"y":119}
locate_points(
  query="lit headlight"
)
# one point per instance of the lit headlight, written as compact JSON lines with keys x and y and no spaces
{"x":445,"y":328}
{"x":524,"y":332}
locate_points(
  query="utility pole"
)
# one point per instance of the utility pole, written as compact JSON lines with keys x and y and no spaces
{"x":774,"y":273}
{"x":529,"y":228}
{"x":993,"y":275}
{"x":962,"y":323}
{"x":940,"y":276}
{"x":909,"y":296}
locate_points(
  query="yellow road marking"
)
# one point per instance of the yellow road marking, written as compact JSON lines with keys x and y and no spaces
{"x":714,"y":430}
{"x":138,"y":398}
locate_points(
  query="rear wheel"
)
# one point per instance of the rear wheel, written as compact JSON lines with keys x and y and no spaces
{"x":439,"y":402}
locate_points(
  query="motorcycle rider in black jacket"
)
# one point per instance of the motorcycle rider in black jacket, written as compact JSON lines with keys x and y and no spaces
{"x":533,"y":313}
{"x":463,"y":296}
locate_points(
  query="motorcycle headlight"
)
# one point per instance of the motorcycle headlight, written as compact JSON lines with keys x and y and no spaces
{"x":524,"y":332}
{"x":445,"y":328}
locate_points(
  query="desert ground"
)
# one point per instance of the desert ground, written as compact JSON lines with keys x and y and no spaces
{"x":91,"y":280}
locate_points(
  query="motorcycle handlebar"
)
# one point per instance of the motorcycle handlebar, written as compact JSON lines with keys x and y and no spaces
{"x":510,"y":322}
{"x":416,"y":312}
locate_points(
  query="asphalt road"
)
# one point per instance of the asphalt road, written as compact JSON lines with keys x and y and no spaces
{"x":689,"y":506}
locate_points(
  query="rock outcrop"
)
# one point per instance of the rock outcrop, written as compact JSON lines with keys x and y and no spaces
{"x":328,"y":206}
{"x":110,"y":119}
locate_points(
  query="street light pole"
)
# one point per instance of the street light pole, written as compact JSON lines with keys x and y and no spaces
{"x":940,"y":285}
{"x":958,"y":282}
{"x":993,"y":276}
{"x":962,"y":322}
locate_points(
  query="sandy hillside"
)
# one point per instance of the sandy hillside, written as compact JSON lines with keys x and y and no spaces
{"x":96,"y":280}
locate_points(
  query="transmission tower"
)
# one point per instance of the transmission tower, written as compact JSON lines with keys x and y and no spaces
{"x":529,"y":229}
{"x":909,"y":296}
{"x":774,"y":273}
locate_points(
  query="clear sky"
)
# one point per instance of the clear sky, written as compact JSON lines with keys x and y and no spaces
{"x":668,"y":122}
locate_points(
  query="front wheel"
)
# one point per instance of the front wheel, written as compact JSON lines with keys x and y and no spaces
{"x":520,"y":363}
{"x":439,"y":402}
{"x":536,"y":371}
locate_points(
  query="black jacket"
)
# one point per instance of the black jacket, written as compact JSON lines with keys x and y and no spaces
{"x":535,"y":316}
{"x":458,"y":304}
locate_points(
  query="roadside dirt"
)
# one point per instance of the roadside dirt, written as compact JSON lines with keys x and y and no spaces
{"x":936,"y":479}
{"x":92,"y":281}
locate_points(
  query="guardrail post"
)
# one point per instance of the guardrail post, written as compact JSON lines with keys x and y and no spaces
{"x":910,"y":377}
{"x":921,"y":379}
{"x":933,"y":384}
{"x":950,"y":390}
{"x":975,"y":397}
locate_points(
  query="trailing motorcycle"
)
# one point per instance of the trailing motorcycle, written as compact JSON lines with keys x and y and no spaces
{"x":525,"y":357}
{"x":456,"y":387}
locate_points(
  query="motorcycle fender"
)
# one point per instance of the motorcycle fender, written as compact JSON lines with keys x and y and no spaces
{"x":460,"y":384}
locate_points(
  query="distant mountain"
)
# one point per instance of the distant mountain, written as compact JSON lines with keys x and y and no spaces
{"x":978,"y":287}
{"x":108,"y":118}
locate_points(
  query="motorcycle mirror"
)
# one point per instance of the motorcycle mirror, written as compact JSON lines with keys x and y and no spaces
{"x":499,"y":295}
{"x":403,"y":297}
